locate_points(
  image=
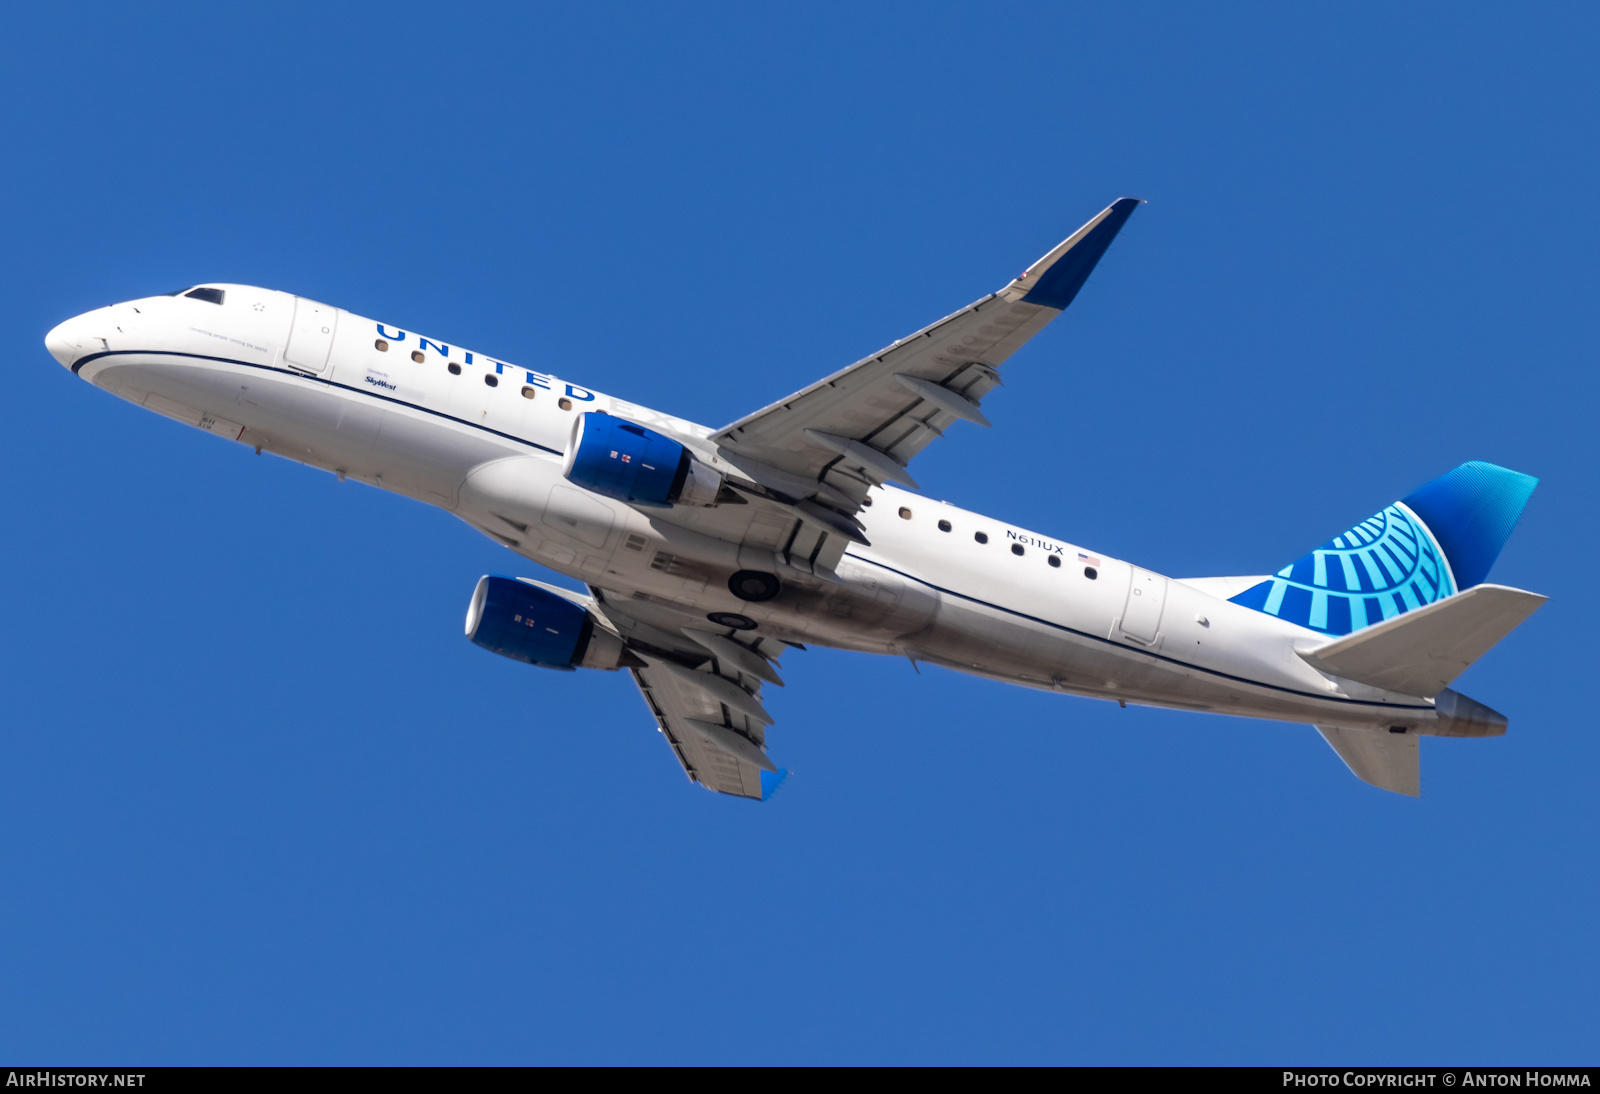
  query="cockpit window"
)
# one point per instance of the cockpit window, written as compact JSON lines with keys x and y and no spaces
{"x":210,"y":296}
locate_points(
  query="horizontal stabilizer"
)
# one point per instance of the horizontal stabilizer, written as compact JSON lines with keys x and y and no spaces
{"x":1387,"y":760}
{"x":1420,"y":652}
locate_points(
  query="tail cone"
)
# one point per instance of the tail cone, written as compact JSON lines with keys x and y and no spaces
{"x":1463,"y":717}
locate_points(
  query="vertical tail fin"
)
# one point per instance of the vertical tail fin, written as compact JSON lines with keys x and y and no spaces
{"x":1437,"y":541}
{"x":1471,"y":512}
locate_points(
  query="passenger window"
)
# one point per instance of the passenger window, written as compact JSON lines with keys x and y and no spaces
{"x":944,"y":526}
{"x":1090,"y":572}
{"x":455,"y":369}
{"x":529,"y":391}
{"x":210,"y":296}
{"x":491,"y":379}
{"x":381,"y":346}
{"x":1016,"y":548}
{"x":1055,"y":561}
{"x":981,"y":537}
{"x":416,"y":355}
{"x":565,"y":404}
{"x":905,"y":514}
{"x":866,"y":503}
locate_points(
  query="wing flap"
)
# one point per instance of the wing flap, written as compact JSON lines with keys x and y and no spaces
{"x":727,"y":740}
{"x":744,"y":658}
{"x":1422,"y":651}
{"x":702,"y":732}
{"x":704,"y":690}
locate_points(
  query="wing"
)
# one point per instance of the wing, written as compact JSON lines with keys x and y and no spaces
{"x":704,"y":688}
{"x":862,"y":426}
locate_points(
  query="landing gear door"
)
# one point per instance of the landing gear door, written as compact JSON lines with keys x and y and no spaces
{"x":1147,"y":596}
{"x":310,"y":335}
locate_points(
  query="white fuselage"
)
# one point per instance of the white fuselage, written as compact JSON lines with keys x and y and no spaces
{"x":421,"y":418}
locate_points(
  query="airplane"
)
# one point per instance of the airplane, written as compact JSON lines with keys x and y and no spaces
{"x":706,"y":553}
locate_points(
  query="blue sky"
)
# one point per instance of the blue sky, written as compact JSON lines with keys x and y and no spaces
{"x":264,"y":803}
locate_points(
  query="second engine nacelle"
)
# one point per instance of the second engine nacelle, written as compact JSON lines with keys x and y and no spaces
{"x":537,"y":627}
{"x":630,"y":463}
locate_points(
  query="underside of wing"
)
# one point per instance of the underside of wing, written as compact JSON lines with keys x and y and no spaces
{"x":704,"y":688}
{"x":718,"y":749}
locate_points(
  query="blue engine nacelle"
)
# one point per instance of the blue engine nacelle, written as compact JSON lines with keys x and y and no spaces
{"x":535,"y":626}
{"x":630,"y":463}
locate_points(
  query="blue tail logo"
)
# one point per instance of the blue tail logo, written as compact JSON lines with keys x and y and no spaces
{"x":1437,"y":541}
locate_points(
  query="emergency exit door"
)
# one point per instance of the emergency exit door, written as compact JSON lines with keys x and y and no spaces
{"x":311,"y":335}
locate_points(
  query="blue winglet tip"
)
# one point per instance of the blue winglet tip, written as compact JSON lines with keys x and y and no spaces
{"x":771,"y":781}
{"x":1058,"y":286}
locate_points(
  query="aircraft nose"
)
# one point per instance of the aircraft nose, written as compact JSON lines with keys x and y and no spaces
{"x":66,"y":342}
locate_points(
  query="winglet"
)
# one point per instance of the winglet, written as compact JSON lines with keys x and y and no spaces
{"x":771,"y":781}
{"x":1055,"y":279}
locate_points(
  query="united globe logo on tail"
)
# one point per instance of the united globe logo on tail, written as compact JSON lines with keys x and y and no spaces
{"x":1436,"y":542}
{"x":1386,"y":565}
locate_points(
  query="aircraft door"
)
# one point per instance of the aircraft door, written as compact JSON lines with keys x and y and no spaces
{"x":1147,"y":595}
{"x":311,"y":335}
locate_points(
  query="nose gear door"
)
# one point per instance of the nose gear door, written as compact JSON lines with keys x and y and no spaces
{"x":310,"y":335}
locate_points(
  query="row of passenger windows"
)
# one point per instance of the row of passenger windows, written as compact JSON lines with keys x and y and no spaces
{"x":1016,"y":548}
{"x":529,"y":391}
{"x":489,"y":378}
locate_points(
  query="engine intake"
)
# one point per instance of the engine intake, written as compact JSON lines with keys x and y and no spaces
{"x":537,"y":627}
{"x":630,"y":463}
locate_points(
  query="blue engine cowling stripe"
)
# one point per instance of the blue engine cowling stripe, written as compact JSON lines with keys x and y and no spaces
{"x":531,"y":625}
{"x":623,"y":460}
